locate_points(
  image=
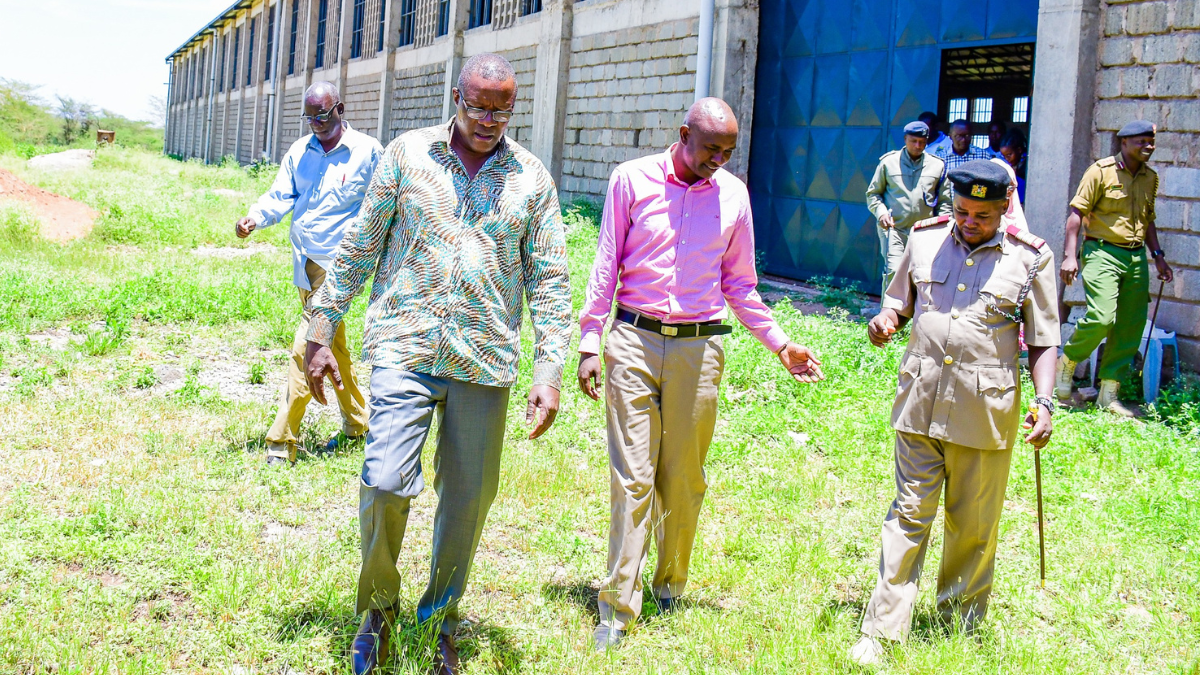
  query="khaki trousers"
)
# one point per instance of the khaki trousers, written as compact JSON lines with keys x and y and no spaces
{"x":293,"y":400}
{"x":974,"y":482}
{"x":662,"y":408}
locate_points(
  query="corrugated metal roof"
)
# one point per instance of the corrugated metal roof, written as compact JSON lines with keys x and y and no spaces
{"x":215,"y":23}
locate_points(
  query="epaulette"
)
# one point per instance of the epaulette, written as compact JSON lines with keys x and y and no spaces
{"x":930,"y":222}
{"x":1107,"y":161}
{"x":887,"y":154}
{"x":1024,"y":236}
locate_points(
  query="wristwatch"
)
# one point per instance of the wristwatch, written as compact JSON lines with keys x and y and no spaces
{"x":1157,"y":253}
{"x":1046,"y":402}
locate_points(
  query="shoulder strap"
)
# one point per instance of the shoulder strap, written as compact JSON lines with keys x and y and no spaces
{"x":930,"y":222}
{"x":1026,"y":237}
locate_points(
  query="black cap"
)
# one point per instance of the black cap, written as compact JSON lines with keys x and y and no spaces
{"x":1136,"y":128}
{"x":916,"y":129}
{"x":980,"y":179}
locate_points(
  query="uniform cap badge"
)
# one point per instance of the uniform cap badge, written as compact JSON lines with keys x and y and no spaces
{"x":979,"y":191}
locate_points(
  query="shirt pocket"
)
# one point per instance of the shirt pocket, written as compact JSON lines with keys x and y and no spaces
{"x":1002,"y":295}
{"x":929,"y":282}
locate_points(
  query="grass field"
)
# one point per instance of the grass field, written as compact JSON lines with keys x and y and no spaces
{"x":141,"y":532}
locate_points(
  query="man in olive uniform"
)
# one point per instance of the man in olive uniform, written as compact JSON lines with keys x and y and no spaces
{"x":908,"y":185}
{"x":968,"y":286}
{"x":1116,"y":195}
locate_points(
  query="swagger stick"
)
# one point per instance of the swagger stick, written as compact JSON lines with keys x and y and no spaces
{"x":1037,"y":473}
{"x":1150,"y":335}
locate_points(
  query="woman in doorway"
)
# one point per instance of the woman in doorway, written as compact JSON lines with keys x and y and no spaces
{"x":1014,"y":149}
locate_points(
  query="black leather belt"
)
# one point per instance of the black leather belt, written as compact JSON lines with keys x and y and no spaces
{"x":683,"y":330}
{"x":1128,"y":247}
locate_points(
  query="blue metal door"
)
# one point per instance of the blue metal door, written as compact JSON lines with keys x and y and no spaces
{"x":836,"y":82}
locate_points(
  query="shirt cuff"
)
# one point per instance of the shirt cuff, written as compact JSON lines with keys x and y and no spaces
{"x":589,"y":343}
{"x":321,"y":330}
{"x":774,"y":339}
{"x":544,"y":372}
{"x":892,"y":303}
{"x":1081,"y":206}
{"x":261,"y":221}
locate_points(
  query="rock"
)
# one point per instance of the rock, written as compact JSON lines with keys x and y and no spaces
{"x":1089,"y":393}
{"x":232,"y":252}
{"x":67,"y":160}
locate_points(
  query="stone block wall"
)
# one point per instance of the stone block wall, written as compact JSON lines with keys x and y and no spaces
{"x":627,"y":93}
{"x":524,"y":62}
{"x":417,"y":98}
{"x":290,"y":126}
{"x":361,"y":96}
{"x":1150,"y":69}
{"x":246,"y":148}
{"x":218,"y":131}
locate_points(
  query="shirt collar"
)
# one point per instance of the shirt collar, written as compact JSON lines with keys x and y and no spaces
{"x":996,"y":240}
{"x":442,"y":142}
{"x":672,"y":177}
{"x":315,"y":144}
{"x":1120,"y":159}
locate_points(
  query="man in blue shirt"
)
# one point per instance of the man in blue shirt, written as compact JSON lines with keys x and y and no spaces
{"x":322,"y":181}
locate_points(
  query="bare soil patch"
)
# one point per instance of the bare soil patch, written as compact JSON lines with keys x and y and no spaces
{"x":62,"y":219}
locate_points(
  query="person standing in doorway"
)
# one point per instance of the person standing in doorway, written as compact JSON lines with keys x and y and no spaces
{"x":1116,"y":195}
{"x":961,"y":151}
{"x":909,"y":185}
{"x":676,"y":249}
{"x":938,"y":142}
{"x":321,"y":181}
{"x":996,"y":131}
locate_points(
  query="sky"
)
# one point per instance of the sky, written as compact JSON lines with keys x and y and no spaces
{"x":110,"y":53}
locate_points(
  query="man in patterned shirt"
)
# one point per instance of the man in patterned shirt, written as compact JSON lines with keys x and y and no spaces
{"x":960,"y":151}
{"x":459,"y":225}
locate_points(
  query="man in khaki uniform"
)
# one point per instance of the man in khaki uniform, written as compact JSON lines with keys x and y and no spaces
{"x":968,"y":286}
{"x":908,"y":185}
{"x":1117,"y":195}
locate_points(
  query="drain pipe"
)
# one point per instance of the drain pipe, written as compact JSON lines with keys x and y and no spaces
{"x":212,"y":88}
{"x":704,"y":48}
{"x":168,"y":143}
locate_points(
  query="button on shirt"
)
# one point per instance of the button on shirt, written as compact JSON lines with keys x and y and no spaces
{"x":454,"y":258}
{"x":676,"y":253}
{"x":906,"y":187}
{"x":1118,"y":203}
{"x":323,"y":190}
{"x":958,"y":378}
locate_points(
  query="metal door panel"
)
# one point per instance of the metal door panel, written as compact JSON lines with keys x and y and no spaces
{"x":867,"y":91}
{"x":870,"y":24}
{"x":791,"y":163}
{"x":914,"y":83}
{"x":830,"y":82}
{"x":824,"y":163}
{"x":1012,"y":18}
{"x":860,"y":156}
{"x":917,"y":22}
{"x":963,"y":21}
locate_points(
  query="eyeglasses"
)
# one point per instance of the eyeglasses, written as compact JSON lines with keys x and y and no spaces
{"x":320,"y":118}
{"x":500,"y":116}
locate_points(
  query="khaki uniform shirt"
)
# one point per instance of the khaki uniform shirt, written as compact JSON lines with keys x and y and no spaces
{"x":958,"y":379}
{"x":1119,"y":205}
{"x":911,"y":190}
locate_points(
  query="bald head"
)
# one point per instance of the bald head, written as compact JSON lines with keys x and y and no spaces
{"x":488,"y":67}
{"x":323,"y":94}
{"x":713,"y":115}
{"x":323,"y":111}
{"x":706,"y":140}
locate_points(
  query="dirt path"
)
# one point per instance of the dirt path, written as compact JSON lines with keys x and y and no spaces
{"x":62,"y":219}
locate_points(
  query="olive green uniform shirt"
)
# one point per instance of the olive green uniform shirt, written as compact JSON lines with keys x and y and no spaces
{"x":1119,"y":204}
{"x":911,"y":190}
{"x":958,"y":378}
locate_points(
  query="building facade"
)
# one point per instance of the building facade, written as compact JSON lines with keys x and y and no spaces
{"x":821,"y":88}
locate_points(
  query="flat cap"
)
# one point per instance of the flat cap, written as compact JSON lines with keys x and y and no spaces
{"x":1136,"y":128}
{"x":916,"y":129}
{"x":980,"y":179}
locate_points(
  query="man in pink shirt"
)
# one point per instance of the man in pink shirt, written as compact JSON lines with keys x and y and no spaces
{"x":676,"y":246}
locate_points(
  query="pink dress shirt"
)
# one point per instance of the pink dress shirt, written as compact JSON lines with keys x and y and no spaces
{"x":681,"y":253}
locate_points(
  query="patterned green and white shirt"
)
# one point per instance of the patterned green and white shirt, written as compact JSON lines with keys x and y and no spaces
{"x":453,"y":258}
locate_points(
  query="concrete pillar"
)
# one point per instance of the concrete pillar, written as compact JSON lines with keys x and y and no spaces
{"x":387,"y":79}
{"x":257,"y":145}
{"x":345,"y":31}
{"x":310,"y":41}
{"x":734,"y":59}
{"x":1064,"y":84}
{"x":550,"y":84}
{"x":283,"y":14}
{"x":210,"y":95}
{"x":458,"y":24}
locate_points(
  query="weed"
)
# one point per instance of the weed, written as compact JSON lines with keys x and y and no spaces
{"x":146,"y":378}
{"x":101,"y":342}
{"x":839,"y":293}
{"x":258,"y":372}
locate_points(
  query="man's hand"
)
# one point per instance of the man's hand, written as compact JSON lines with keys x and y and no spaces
{"x":1164,"y":270}
{"x":1041,"y":427}
{"x":881,"y":329}
{"x":1069,"y":269}
{"x":801,"y":363}
{"x":589,"y":375}
{"x":245,"y":226}
{"x":886,"y":222}
{"x":319,"y":362}
{"x":542,"y":408}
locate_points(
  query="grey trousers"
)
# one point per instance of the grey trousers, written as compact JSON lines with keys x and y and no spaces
{"x":892,"y":242}
{"x":467,"y":468}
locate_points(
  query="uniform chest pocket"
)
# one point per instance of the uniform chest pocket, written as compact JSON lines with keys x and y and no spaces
{"x":999,"y":381}
{"x":929,"y":282}
{"x":1000,"y":293}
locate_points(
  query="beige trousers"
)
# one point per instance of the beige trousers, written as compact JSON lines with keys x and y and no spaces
{"x":974,"y":482}
{"x":293,"y":400}
{"x":662,"y":408}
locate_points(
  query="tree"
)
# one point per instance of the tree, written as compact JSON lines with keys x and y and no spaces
{"x":23,"y":114}
{"x":157,"y":105}
{"x":77,"y":117}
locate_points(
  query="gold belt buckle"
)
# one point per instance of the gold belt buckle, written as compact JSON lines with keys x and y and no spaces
{"x":670,"y":331}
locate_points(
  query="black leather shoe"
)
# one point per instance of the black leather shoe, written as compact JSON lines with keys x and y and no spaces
{"x":340,"y":440}
{"x":371,"y":645}
{"x":666,"y":605}
{"x":607,"y":637}
{"x":445,"y":662}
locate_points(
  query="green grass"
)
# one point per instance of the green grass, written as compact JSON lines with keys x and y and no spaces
{"x":140,"y":531}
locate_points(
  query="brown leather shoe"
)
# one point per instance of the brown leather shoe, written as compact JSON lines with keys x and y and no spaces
{"x":445,"y":662}
{"x":371,"y":645}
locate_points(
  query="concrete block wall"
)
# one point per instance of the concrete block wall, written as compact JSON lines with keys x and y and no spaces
{"x":417,"y":98}
{"x":361,"y":96}
{"x":290,"y":126}
{"x":1150,"y":69}
{"x":524,"y":62}
{"x":627,"y":93}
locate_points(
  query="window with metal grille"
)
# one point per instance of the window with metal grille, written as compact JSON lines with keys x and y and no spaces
{"x":530,"y":7}
{"x":443,"y":17}
{"x":982,"y":110}
{"x":981,"y":141}
{"x":233,"y":71}
{"x":250,"y":52}
{"x":408,"y":22}
{"x":1020,"y":110}
{"x":292,"y":41}
{"x":270,"y":55}
{"x":221,"y":70}
{"x":479,"y":14}
{"x":356,"y":36}
{"x":200,"y":77}
{"x":958,"y":109}
{"x":322,"y":19}
{"x":382,"y":13}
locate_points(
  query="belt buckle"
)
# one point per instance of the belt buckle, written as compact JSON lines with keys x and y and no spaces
{"x":669,"y":331}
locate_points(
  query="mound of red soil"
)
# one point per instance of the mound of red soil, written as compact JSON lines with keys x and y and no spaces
{"x":62,"y":219}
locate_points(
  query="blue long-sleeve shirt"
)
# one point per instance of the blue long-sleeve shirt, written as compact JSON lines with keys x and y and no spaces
{"x":323,"y":190}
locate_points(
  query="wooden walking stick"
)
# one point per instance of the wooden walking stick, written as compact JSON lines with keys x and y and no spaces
{"x":1150,"y":336}
{"x":1037,"y":472}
